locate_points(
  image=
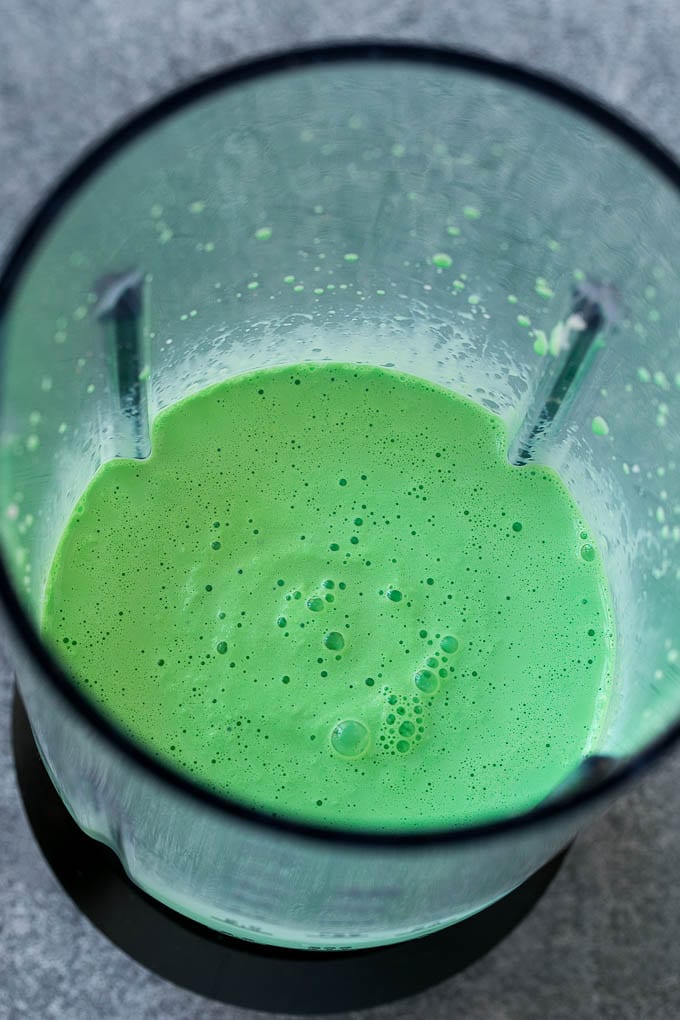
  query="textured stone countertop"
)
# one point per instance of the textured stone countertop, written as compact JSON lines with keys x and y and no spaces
{"x":604,"y":943}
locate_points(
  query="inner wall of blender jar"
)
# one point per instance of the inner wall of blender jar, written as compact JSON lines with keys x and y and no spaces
{"x":427,"y":219}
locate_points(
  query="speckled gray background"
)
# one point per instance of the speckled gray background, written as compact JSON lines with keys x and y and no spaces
{"x":604,"y":944}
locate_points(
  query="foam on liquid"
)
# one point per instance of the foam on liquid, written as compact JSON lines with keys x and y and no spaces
{"x":328,"y":594}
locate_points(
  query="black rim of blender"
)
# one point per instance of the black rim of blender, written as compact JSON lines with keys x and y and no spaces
{"x":19,"y":256}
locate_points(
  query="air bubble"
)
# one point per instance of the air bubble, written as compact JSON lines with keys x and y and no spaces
{"x":587,"y":553}
{"x":222,"y":647}
{"x":334,"y":641}
{"x":449,"y":644}
{"x":426,"y":681}
{"x":350,"y":738}
{"x":394,"y":595}
{"x":315,"y":604}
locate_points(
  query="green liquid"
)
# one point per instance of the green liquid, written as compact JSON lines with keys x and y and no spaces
{"x":328,"y":594}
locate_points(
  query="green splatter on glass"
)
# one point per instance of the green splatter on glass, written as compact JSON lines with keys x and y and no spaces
{"x":542,"y":288}
{"x":540,"y":343}
{"x":599,"y":426}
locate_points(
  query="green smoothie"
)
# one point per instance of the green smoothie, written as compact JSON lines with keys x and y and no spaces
{"x":327,"y":594}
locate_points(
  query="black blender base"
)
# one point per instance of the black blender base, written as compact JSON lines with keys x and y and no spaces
{"x":228,"y":969}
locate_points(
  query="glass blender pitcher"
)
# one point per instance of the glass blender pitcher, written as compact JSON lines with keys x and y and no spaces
{"x":443,"y":214}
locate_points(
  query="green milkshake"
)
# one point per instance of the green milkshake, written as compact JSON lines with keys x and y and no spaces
{"x":327,"y":594}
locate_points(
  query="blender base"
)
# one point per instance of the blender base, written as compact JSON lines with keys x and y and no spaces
{"x":231,"y":970}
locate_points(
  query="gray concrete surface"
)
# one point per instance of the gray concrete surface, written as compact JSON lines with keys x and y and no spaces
{"x":604,"y":944}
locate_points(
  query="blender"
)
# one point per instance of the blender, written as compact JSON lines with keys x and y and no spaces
{"x":446,"y":215}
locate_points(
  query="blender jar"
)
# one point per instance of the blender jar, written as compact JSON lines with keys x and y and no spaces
{"x":439,"y":213}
